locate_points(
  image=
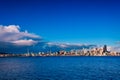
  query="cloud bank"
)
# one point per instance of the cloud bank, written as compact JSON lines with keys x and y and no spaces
{"x":12,"y":34}
{"x":13,"y":40}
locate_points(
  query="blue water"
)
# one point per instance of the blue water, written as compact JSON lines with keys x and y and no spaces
{"x":60,"y":68}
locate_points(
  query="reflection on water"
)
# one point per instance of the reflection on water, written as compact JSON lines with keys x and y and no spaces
{"x":60,"y":68}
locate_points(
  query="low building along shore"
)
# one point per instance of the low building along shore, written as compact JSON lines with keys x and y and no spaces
{"x":84,"y":52}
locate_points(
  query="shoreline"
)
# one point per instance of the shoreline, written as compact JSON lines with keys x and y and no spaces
{"x":53,"y":56}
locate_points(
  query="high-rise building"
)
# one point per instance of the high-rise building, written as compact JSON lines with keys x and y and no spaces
{"x":105,"y":48}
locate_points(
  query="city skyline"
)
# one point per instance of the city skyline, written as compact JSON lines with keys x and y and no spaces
{"x":60,"y":22}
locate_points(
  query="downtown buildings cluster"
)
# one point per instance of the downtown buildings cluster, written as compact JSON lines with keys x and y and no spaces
{"x":84,"y":52}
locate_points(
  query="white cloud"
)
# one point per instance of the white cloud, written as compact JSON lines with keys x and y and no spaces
{"x":13,"y":34}
{"x":10,"y":28}
{"x":50,"y":44}
{"x":65,"y":45}
{"x":24,"y":42}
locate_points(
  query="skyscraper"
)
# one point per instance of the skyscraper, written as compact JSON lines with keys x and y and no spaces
{"x":105,"y":48}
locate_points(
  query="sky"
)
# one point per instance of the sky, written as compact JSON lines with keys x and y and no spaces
{"x":64,"y":21}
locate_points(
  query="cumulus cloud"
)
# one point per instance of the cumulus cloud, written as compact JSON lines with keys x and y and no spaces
{"x":12,"y":39}
{"x":13,"y":34}
{"x":24,"y":42}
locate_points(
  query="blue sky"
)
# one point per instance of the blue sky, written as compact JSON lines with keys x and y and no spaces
{"x":65,"y":21}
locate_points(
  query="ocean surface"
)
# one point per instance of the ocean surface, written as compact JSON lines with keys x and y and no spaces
{"x":60,"y":68}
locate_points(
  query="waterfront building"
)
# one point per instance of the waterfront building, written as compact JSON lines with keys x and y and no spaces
{"x":105,"y":48}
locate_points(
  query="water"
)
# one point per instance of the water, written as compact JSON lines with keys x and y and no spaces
{"x":60,"y":68}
